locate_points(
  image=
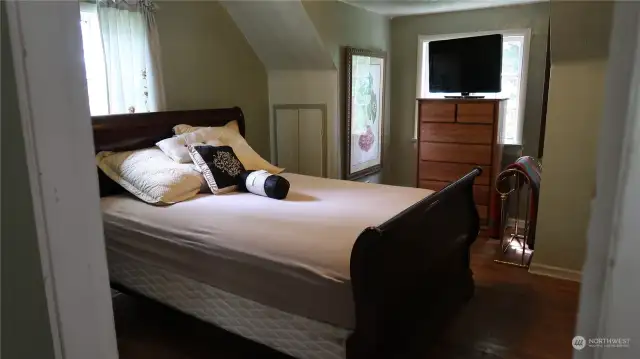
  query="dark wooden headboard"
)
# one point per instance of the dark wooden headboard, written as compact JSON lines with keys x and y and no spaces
{"x":141,"y":130}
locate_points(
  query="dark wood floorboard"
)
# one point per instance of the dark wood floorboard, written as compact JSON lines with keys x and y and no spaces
{"x":513,"y":315}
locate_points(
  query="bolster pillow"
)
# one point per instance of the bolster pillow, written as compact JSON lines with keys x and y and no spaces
{"x":263,"y":183}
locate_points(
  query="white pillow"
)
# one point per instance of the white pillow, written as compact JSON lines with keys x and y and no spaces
{"x":151,"y":176}
{"x":176,"y":146}
{"x":250,"y":159}
{"x":180,"y":129}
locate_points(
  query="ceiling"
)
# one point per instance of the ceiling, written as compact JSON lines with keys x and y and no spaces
{"x":413,"y":7}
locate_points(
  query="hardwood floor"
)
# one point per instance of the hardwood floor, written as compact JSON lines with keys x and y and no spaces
{"x":513,"y":315}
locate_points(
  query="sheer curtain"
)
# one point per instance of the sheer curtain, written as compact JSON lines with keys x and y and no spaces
{"x":132,"y":56}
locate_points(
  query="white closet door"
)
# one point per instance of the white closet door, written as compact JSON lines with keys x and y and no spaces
{"x":311,"y":149}
{"x":287,"y":139}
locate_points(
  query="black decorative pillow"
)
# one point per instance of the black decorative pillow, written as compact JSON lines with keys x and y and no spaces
{"x":263,"y":183}
{"x":219,"y":166}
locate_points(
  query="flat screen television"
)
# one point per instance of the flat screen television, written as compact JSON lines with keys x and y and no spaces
{"x":466,"y":65}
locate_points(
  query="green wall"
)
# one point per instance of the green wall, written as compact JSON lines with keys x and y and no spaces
{"x":207,"y":63}
{"x":25,"y":320}
{"x":340,"y":25}
{"x":579,"y":53}
{"x":404,"y":38}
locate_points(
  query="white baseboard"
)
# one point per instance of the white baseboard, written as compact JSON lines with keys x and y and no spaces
{"x":555,"y":272}
{"x":546,"y":270}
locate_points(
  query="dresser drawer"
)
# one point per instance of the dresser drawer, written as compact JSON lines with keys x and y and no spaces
{"x":437,"y":112}
{"x":475,"y":113}
{"x":480,"y":193}
{"x":483,"y":213}
{"x":432,"y":185}
{"x":456,"y":133}
{"x":448,"y":152}
{"x":447,"y":172}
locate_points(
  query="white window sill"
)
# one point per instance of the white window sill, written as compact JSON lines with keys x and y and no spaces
{"x":511,"y":143}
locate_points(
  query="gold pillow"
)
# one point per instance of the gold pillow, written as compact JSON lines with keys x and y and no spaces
{"x":151,"y":176}
{"x":227,"y":135}
{"x":182,"y":128}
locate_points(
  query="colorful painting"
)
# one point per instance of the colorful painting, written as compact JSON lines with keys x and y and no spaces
{"x":364,"y":112}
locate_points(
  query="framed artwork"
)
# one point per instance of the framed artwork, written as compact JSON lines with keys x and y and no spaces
{"x":365,"y":88}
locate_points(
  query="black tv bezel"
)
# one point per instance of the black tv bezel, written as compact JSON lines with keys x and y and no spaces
{"x":464,"y":93}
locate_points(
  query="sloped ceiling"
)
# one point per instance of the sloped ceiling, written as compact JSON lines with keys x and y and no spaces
{"x":281,"y":34}
{"x":415,"y":7}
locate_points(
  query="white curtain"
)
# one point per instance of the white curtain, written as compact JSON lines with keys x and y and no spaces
{"x":132,"y":56}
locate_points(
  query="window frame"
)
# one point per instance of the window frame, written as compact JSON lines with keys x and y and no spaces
{"x":422,"y":74}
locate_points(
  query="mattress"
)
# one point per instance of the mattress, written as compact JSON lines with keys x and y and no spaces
{"x":291,"y":334}
{"x":292,"y":255}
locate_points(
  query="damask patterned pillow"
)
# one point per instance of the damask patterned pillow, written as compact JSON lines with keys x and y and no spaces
{"x":228,"y":135}
{"x":219,"y":166}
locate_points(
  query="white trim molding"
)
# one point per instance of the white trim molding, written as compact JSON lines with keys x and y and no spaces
{"x":609,"y":290}
{"x":555,"y":272}
{"x":47,"y":51}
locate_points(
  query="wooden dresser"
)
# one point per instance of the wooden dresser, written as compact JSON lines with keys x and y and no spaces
{"x":455,"y":135}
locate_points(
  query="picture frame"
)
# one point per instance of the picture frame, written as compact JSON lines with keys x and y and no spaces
{"x":365,"y":85}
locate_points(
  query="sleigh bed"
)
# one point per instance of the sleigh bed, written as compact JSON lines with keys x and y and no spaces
{"x":302,"y":275}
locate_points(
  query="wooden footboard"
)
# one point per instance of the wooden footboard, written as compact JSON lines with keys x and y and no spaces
{"x":410,"y":274}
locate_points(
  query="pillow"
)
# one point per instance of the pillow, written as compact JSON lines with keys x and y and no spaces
{"x":219,"y":165}
{"x":181,"y":129}
{"x":176,"y":147}
{"x":249,"y":158}
{"x":264,"y":183}
{"x":150,"y":175}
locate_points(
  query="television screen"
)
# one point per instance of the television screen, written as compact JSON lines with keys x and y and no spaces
{"x":470,"y":64}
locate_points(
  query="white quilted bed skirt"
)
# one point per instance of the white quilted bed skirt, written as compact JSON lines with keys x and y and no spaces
{"x":291,"y":334}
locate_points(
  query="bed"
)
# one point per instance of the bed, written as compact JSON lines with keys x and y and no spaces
{"x":337,"y":270}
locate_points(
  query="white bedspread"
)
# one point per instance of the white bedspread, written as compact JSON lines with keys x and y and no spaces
{"x":307,"y":237}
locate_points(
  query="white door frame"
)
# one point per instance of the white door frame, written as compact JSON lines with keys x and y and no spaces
{"x":47,"y":53}
{"x":610,"y":291}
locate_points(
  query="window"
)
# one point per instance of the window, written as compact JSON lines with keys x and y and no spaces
{"x":514,"y":69}
{"x":94,"y":60}
{"x":121,"y":63}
